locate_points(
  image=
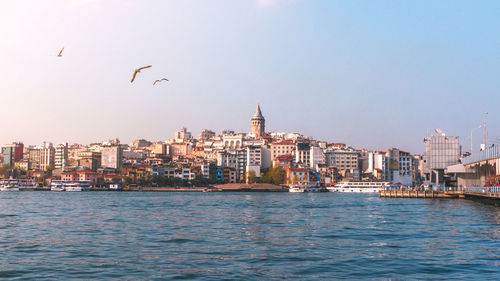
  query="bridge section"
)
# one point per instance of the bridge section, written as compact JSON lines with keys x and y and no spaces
{"x":484,"y":166}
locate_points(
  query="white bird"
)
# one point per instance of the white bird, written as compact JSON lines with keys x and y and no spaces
{"x":159,"y":80}
{"x":137,"y":71}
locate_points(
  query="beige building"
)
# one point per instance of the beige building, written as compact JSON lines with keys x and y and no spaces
{"x":342,"y":159}
{"x":281,"y":148}
{"x":180,"y":149}
{"x":206,"y":135}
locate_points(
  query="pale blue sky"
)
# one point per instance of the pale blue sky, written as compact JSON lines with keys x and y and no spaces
{"x":374,"y":74}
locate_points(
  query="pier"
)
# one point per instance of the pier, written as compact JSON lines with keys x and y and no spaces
{"x":430,"y":194}
{"x":490,"y":195}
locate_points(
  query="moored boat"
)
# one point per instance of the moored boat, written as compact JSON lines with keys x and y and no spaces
{"x":27,"y":185}
{"x":56,"y":186}
{"x":305,"y":188}
{"x":359,"y":187}
{"x":9,"y":185}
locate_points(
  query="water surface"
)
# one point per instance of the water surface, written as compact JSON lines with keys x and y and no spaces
{"x":250,"y":236}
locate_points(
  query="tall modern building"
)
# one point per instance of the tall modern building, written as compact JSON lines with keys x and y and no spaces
{"x":61,"y":156}
{"x":258,"y":123}
{"x":12,"y":153}
{"x":441,"y":151}
{"x":34,"y":158}
{"x":47,"y":156}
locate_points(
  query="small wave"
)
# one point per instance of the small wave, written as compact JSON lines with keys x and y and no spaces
{"x":176,"y":241}
{"x":7,"y":215}
{"x":11,"y":273}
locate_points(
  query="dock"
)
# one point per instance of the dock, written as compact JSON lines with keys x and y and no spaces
{"x":489,"y":195}
{"x":427,"y":194}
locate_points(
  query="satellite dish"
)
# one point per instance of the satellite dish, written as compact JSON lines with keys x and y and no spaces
{"x":439,"y":132}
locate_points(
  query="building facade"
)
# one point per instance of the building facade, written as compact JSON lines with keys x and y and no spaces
{"x":111,"y":157}
{"x":61,"y":156}
{"x":12,"y":153}
{"x":441,"y":151}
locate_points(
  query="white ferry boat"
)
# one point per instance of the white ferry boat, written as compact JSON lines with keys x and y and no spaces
{"x":56,"y":186}
{"x":9,"y":185}
{"x":364,"y":187}
{"x":27,"y":185}
{"x":70,"y":186}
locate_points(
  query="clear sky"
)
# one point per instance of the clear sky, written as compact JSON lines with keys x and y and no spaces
{"x":374,"y":74}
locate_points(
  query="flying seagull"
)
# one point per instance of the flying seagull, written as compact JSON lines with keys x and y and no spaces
{"x":60,"y":52}
{"x":159,"y":80}
{"x":137,"y":71}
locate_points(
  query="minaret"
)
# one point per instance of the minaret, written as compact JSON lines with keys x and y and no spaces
{"x":258,"y":123}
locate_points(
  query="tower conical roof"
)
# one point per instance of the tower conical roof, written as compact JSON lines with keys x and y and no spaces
{"x":258,"y":113}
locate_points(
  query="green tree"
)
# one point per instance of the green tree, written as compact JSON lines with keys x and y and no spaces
{"x":275,"y":175}
{"x":251,"y":177}
{"x":128,"y":180}
{"x":49,"y":170}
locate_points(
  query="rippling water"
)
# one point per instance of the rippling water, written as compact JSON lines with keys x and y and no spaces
{"x":214,"y":236}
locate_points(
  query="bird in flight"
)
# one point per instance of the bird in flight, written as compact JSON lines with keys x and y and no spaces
{"x":137,"y":71}
{"x":159,"y":80}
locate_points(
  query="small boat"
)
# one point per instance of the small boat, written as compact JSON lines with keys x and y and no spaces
{"x":296,"y":188}
{"x":9,"y":185}
{"x":56,"y":186}
{"x":305,"y":188}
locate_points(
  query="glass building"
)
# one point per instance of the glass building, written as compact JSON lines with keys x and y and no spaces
{"x":440,"y":152}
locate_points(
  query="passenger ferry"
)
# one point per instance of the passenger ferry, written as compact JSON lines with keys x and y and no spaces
{"x":70,"y":186}
{"x":9,"y":185}
{"x":364,"y":187}
{"x":17,"y":185}
{"x":56,"y":186}
{"x":27,"y":185}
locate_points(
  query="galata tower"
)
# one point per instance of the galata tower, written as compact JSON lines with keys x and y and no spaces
{"x":258,"y":123}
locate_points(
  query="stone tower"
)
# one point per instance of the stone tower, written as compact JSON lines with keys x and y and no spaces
{"x":258,"y":123}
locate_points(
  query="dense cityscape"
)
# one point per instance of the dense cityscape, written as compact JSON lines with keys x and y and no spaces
{"x":230,"y":157}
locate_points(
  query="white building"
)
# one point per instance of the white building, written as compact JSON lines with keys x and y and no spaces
{"x":303,"y":154}
{"x":254,"y":159}
{"x":111,"y":157}
{"x":316,"y":157}
{"x":61,"y":156}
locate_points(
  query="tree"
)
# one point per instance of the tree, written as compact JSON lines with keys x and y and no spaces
{"x":251,"y":177}
{"x":49,"y":170}
{"x":275,"y":175}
